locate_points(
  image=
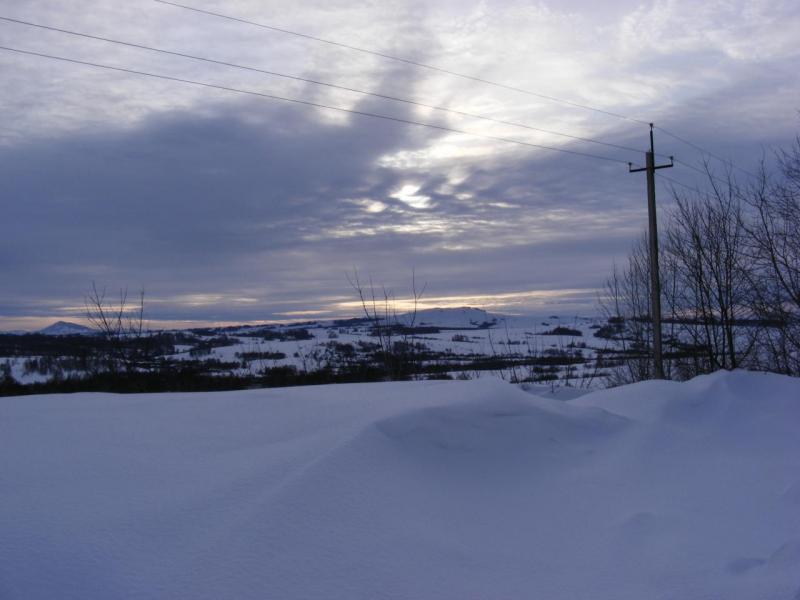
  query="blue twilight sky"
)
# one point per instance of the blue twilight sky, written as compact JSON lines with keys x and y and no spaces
{"x":228,"y":207}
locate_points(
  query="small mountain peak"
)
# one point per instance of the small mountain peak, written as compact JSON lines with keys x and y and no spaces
{"x":66,"y":328}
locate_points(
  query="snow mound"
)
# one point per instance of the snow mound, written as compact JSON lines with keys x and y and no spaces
{"x":497,"y":429}
{"x":722,"y":400}
{"x":408,"y":490}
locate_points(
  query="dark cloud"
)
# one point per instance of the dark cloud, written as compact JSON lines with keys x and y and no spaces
{"x":259,"y":201}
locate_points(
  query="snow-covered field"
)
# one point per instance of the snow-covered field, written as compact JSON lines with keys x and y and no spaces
{"x":461,"y":343}
{"x":449,"y":489}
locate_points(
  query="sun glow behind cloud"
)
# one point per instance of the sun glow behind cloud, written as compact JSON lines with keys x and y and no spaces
{"x":508,"y":302}
{"x":408,"y":194}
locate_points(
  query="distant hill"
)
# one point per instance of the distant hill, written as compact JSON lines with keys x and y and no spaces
{"x":66,"y":328}
{"x":464,"y":317}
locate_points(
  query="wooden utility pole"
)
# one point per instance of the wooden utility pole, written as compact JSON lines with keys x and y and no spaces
{"x":655,"y":278}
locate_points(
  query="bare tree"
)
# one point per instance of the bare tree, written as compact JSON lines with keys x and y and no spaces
{"x":121,"y":323}
{"x":774,"y":237}
{"x":706,"y":245}
{"x":409,"y":350}
{"x":396,"y":338}
{"x":626,"y":304}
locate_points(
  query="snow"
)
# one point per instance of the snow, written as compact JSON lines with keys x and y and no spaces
{"x":460,"y":340}
{"x":20,"y":373}
{"x":451,"y":318}
{"x":472,"y":489}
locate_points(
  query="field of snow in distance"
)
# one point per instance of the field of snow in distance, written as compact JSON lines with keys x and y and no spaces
{"x":419,"y":490}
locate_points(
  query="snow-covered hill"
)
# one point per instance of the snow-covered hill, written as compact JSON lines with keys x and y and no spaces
{"x":66,"y":328}
{"x":452,"y":318}
{"x":405,"y":490}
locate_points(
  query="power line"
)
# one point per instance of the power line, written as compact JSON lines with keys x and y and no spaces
{"x":313,"y":104}
{"x":676,"y":182}
{"x":406,"y":61}
{"x":316,"y":82}
{"x":378,"y":95}
{"x":690,"y":166}
{"x":704,"y":151}
{"x":704,"y":173}
{"x":454,"y":74}
{"x":691,"y":188}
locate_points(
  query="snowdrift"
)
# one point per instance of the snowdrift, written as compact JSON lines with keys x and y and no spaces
{"x":406,"y":490}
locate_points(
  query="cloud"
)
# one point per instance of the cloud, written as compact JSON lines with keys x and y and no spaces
{"x":227,"y":207}
{"x":224,"y":206}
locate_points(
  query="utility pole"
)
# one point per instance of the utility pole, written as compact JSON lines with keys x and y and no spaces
{"x":655,"y":278}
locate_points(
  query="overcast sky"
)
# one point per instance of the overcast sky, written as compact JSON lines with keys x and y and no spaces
{"x":229,"y":207}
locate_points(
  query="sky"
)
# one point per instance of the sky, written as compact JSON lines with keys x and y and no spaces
{"x":232,"y":207}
